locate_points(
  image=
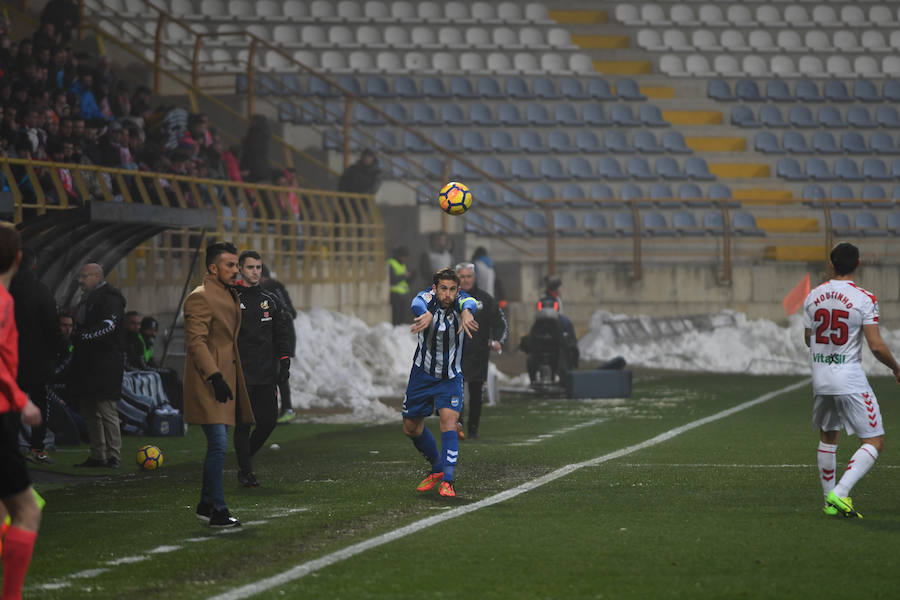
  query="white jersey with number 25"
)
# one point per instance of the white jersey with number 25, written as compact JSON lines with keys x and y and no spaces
{"x":834,"y":313}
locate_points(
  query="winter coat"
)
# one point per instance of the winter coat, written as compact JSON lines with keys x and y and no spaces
{"x":265,"y":334}
{"x":491,"y":326}
{"x":281,"y":293}
{"x":38,"y":326}
{"x":212,"y":320}
{"x":360,"y":178}
{"x":98,"y":360}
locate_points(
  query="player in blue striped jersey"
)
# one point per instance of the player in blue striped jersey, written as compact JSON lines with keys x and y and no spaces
{"x":443,"y":314}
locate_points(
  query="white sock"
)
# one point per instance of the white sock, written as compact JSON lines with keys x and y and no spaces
{"x":826,"y":458}
{"x":859,"y":465}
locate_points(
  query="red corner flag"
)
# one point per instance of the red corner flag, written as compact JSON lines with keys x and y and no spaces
{"x":794,"y":300}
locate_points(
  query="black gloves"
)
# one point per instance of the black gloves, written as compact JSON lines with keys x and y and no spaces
{"x":223,"y":392}
{"x":284,"y":371}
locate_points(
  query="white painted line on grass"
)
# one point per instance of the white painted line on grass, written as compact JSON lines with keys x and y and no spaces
{"x":306,"y":568}
{"x":126,"y":560}
{"x":553,"y":434}
{"x":734,"y":466}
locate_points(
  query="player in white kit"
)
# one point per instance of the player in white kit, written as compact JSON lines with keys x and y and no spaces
{"x":836,"y":316}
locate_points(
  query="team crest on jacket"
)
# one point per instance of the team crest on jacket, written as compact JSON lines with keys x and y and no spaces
{"x":427,"y":296}
{"x":264,"y":305}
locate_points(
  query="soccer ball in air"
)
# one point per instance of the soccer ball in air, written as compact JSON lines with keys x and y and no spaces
{"x":455,"y":198}
{"x":149,"y":457}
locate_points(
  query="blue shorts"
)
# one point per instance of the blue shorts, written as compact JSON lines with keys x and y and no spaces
{"x":425,"y":395}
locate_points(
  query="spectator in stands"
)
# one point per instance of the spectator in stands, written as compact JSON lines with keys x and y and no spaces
{"x":269,"y":282}
{"x":97,"y":364}
{"x":231,"y":159}
{"x":120,"y":102}
{"x":214,"y":389}
{"x":83,"y":88}
{"x":36,"y":321}
{"x":255,"y":150}
{"x":399,"y":276}
{"x":264,"y":344}
{"x":64,"y":16}
{"x":437,"y":257}
{"x":363,"y":176}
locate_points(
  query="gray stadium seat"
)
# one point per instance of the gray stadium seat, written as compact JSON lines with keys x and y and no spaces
{"x":690,"y":191}
{"x":461,"y":87}
{"x":622,"y":115}
{"x":530,"y":141}
{"x":846,"y":169}
{"x":377,"y":87}
{"x":651,"y":116}
{"x":558,"y":141}
{"x":713,"y":223}
{"x":696,"y":168}
{"x":789,"y":169}
{"x":685,"y":223}
{"x":433,"y":87}
{"x":887,"y":116}
{"x":616,"y":142}
{"x":742,"y":116}
{"x":586,"y":141}
{"x":893,"y":223}
{"x":801,"y":116}
{"x":859,"y":117}
{"x":508,"y":114}
{"x":627,"y":89}
{"x":596,"y":224}
{"x":452,"y":114}
{"x":823,"y":142}
{"x":599,"y":89}
{"x":743,"y":223}
{"x":423,"y":114}
{"x":807,"y":91}
{"x":480,"y":114}
{"x":654,"y":223}
{"x":673,"y":142}
{"x":872,"y":192}
{"x":488,"y":87}
{"x":867,"y":224}
{"x":891,"y":90}
{"x":637,"y":168}
{"x":564,"y":224}
{"x":875,"y":169}
{"x":405,"y":87}
{"x":840,"y":224}
{"x":572,"y":89}
{"x":816,"y":168}
{"x":767,"y":143}
{"x":830,"y":116}
{"x":836,"y":91}
{"x":645,"y":141}
{"x":396,"y":112}
{"x":523,"y":169}
{"x":601,"y":191}
{"x":864,"y":90}
{"x":516,"y":87}
{"x":473,"y":141}
{"x":852,"y":142}
{"x":551,"y":168}
{"x":881,"y":142}
{"x":770,"y":116}
{"x":623,"y":223}
{"x":668,"y":169}
{"x":593,"y":114}
{"x":747,"y":91}
{"x":609,"y":168}
{"x":718,"y":89}
{"x":777,"y":91}
{"x":536,"y":114}
{"x":501,"y":141}
{"x":566,"y":115}
{"x":813,"y":192}
{"x":535,"y":223}
{"x":543,"y":87}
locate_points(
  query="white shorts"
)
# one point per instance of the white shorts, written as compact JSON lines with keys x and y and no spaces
{"x":858,"y":413}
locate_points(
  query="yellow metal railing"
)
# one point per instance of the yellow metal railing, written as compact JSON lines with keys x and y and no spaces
{"x":306,"y":235}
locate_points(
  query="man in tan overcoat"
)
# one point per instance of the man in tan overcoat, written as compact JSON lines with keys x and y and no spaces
{"x":215,"y":395}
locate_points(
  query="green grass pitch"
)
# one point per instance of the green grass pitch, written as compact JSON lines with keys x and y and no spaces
{"x":730,"y":509}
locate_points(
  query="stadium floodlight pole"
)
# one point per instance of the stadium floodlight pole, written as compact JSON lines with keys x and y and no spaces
{"x":184,"y":290}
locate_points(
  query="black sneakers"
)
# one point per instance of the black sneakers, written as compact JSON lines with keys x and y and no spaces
{"x":92,"y":462}
{"x":204,"y":511}
{"x":221,"y":519}
{"x":113,"y":463}
{"x":247,"y":478}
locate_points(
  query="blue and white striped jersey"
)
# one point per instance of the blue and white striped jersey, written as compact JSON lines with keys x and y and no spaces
{"x":440,"y":349}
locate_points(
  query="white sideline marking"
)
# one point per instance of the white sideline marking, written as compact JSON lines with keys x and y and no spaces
{"x":306,"y":568}
{"x":735,"y":466}
{"x":163,"y":549}
{"x":563,"y":431}
{"x":126,"y":560}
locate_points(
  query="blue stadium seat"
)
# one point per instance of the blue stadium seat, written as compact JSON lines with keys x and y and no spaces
{"x":886,"y":116}
{"x":433,"y":165}
{"x":593,"y":114}
{"x":651,"y":116}
{"x":622,"y":115}
{"x":777,"y":90}
{"x":586,"y":141}
{"x":461,"y":87}
{"x":599,"y":89}
{"x":853,"y":142}
{"x":881,"y":142}
{"x":654,"y":223}
{"x":645,"y":141}
{"x":609,"y":168}
{"x":673,"y":143}
{"x":770,"y":116}
{"x":517,"y":88}
{"x":349,"y":83}
{"x":843,"y":193}
{"x":817,"y":169}
{"x":891,"y":90}
{"x":565,"y":224}
{"x":685,"y":223}
{"x":601,"y":191}
{"x":840,"y":224}
{"x":288,"y":112}
{"x":864,"y":90}
{"x":366,"y":116}
{"x":661,"y":191}
{"x":501,"y":141}
{"x":572,"y":89}
{"x":747,"y":91}
{"x":452,"y":114}
{"x":813,"y":192}
{"x":807,"y":91}
{"x":713,"y":223}
{"x":558,"y":141}
{"x":873,"y":191}
{"x":720,"y":191}
{"x":565,"y":114}
{"x":893,"y":223}
{"x":637,"y":168}
{"x":319,"y":87}
{"x":801,"y":116}
{"x":463,"y":172}
{"x":505,"y":225}
{"x":859,"y":117}
{"x":830,"y":116}
{"x":535,"y":223}
{"x":480,"y":114}
{"x":667,"y":168}
{"x":823,"y":142}
{"x":789,"y":169}
{"x":473,"y":141}
{"x":616,"y":142}
{"x":743,"y":223}
{"x":508,"y":114}
{"x":867,"y":224}
{"x":385,"y":140}
{"x":423,"y":114}
{"x":488,"y":87}
{"x":517,"y":198}
{"x":536,"y":114}
{"x":574,"y":194}
{"x":291,"y":84}
{"x":487,"y":196}
{"x":696,"y":168}
{"x":405,"y":87}
{"x":627,"y":89}
{"x":719,"y":89}
{"x":474,"y":222}
{"x":895,"y":193}
{"x":580,"y":168}
{"x":551,"y":168}
{"x":596,"y":224}
{"x":846,"y":169}
{"x":742,"y":116}
{"x":414,"y":144}
{"x":875,"y":169}
{"x":542,"y":191}
{"x":690,"y":191}
{"x":377,"y":87}
{"x":545,"y":88}
{"x":396,"y":112}
{"x":623,"y":223}
{"x":433,"y":87}
{"x":767,"y":143}
{"x":530,"y":141}
{"x":523,"y":169}
{"x":836,"y":91}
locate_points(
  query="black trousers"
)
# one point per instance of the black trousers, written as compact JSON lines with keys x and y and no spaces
{"x":38,"y":394}
{"x":284,"y":393}
{"x":475,"y":401}
{"x":265,"y":410}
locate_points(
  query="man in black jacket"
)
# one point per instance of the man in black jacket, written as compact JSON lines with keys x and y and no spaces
{"x":491,"y":334}
{"x":264,"y":346}
{"x":98,"y":364}
{"x":269,"y":283}
{"x":39,"y":338}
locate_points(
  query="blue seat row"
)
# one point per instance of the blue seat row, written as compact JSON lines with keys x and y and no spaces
{"x":470,"y":88}
{"x":805,"y":90}
{"x":865,"y":224}
{"x":845,"y":169}
{"x":771,"y":115}
{"x":825,"y":142}
{"x":872,"y":195}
